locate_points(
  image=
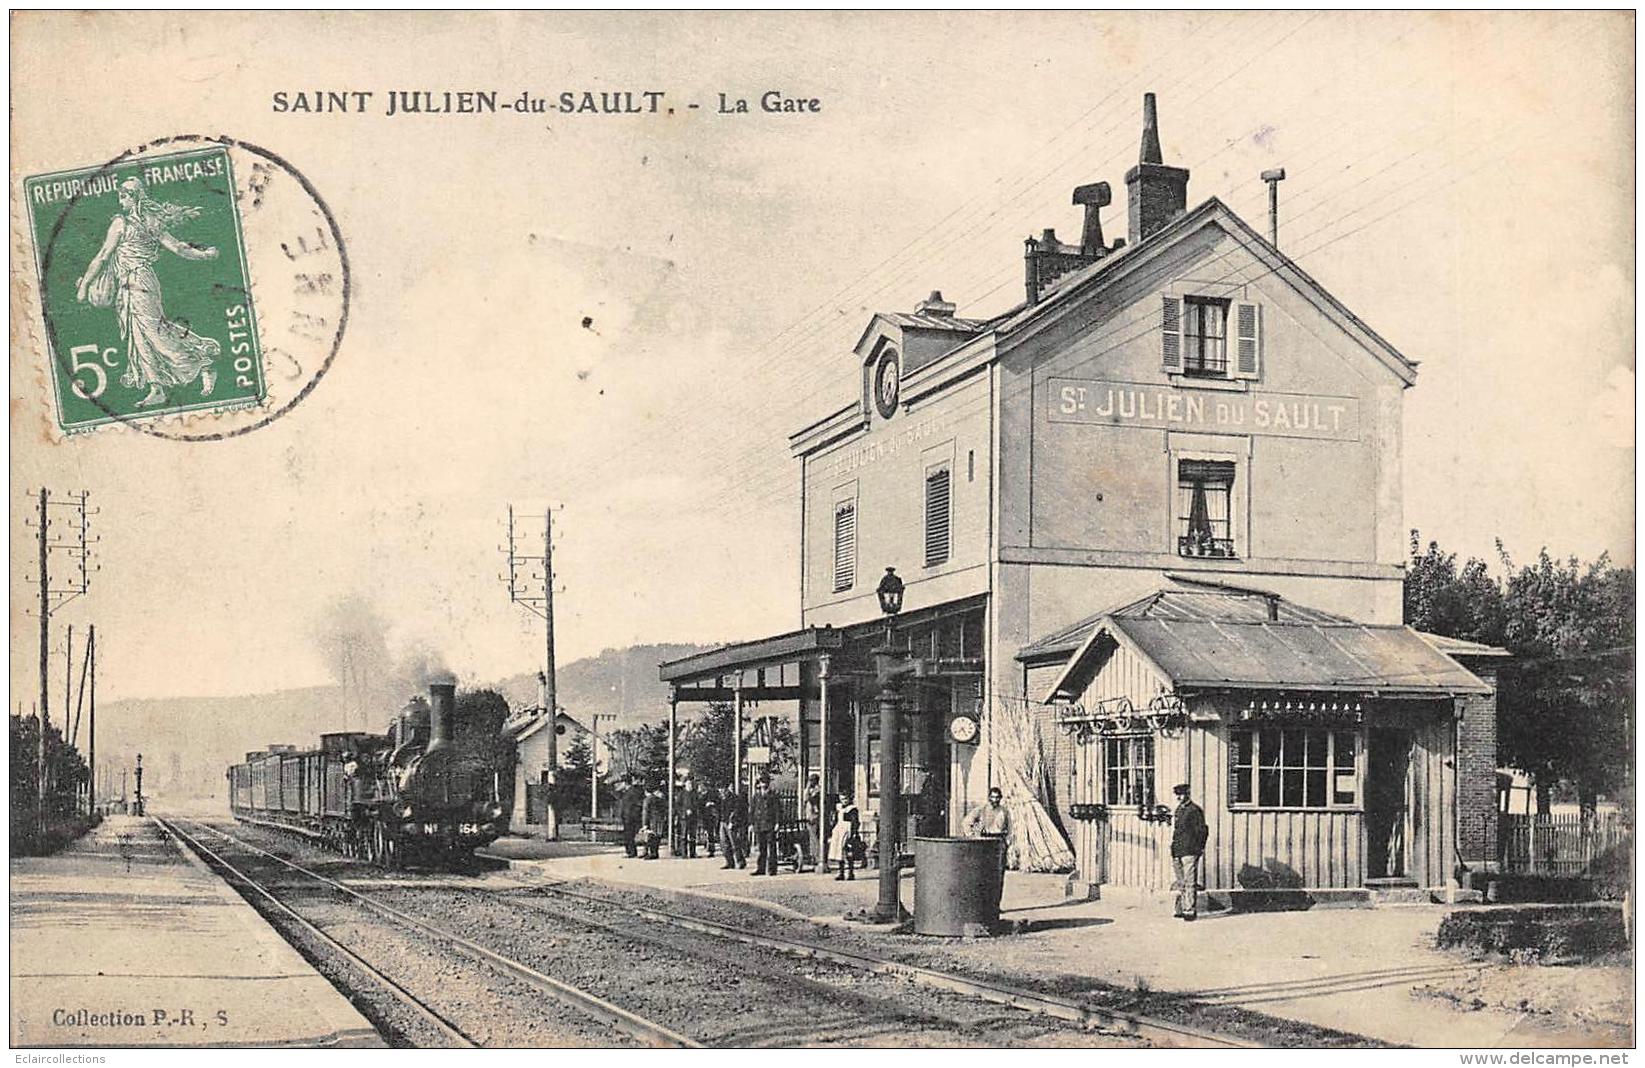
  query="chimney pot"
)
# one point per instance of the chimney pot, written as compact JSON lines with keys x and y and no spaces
{"x":935,"y":305}
{"x":1155,"y":193}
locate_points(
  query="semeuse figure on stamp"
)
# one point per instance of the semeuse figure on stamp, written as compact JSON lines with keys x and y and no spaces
{"x":160,"y":353}
{"x":1188,"y":835}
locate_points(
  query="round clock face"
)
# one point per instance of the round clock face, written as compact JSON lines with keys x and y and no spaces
{"x":886,"y":385}
{"x":962,"y":728}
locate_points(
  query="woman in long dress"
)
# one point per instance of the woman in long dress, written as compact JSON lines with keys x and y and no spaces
{"x":160,"y":353}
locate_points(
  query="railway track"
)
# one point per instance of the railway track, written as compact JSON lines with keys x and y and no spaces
{"x":587,"y":1004}
{"x":1156,"y":1031}
{"x":689,"y":980}
{"x":697,"y":985}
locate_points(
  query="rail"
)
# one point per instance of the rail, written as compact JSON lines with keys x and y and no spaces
{"x":214,"y":859}
{"x":597,"y":1007}
{"x":1088,"y":1016}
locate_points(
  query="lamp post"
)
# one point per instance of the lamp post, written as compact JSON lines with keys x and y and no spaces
{"x":890,"y":664}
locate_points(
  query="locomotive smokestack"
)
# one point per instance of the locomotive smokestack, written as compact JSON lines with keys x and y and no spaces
{"x":442,"y":704}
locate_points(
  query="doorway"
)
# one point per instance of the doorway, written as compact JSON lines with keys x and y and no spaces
{"x":1387,"y":804}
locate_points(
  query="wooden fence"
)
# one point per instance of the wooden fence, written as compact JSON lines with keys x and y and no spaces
{"x":1547,"y":844}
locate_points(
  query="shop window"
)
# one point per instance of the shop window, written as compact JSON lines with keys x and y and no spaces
{"x":1128,"y":770}
{"x":1205,"y":496}
{"x":1293,"y":767}
{"x":937,"y":514}
{"x":845,"y":545}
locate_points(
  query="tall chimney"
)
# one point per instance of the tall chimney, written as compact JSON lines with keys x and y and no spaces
{"x":442,"y":709}
{"x":1155,"y":193}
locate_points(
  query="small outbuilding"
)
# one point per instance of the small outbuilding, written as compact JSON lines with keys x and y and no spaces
{"x":1332,"y":757}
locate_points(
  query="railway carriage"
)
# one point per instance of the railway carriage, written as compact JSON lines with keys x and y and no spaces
{"x":429,"y":790}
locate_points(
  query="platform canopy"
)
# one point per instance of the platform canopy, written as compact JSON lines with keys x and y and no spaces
{"x":767,"y":669}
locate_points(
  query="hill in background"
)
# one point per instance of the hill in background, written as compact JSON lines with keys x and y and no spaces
{"x":188,"y":742}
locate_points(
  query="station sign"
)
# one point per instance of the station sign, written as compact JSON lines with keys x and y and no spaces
{"x":1287,"y":415}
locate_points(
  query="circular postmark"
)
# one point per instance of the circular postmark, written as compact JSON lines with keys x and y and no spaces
{"x":190,"y":278}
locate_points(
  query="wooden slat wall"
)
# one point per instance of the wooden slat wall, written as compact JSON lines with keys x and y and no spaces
{"x":1433,"y":793}
{"x":1311,"y":848}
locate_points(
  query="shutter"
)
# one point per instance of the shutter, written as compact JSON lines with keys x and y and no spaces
{"x":845,"y":546}
{"x":1171,"y":334}
{"x":1247,"y":340}
{"x":936,"y":517}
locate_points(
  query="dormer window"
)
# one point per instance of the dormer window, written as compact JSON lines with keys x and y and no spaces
{"x":1205,"y":337}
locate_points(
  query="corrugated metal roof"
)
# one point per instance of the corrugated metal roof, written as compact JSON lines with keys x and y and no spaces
{"x":1226,"y":605}
{"x":1350,"y":657}
{"x":923,"y":321}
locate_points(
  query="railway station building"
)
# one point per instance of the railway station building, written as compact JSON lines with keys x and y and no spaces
{"x":1150,"y":526}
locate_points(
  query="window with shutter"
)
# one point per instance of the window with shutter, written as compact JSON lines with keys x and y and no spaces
{"x":937,"y":515}
{"x":1247,"y":340}
{"x":1171,"y":333}
{"x":845,"y":545}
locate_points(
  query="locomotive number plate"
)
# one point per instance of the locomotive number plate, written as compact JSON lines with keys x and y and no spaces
{"x":468,"y":828}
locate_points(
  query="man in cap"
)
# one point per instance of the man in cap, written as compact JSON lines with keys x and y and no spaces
{"x":631,"y":808}
{"x":1188,"y":834}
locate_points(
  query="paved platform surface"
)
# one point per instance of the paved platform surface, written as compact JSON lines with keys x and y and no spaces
{"x":124,"y":939}
{"x":1356,"y":970}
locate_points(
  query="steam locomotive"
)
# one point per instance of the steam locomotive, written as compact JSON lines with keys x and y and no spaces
{"x":429,"y":791}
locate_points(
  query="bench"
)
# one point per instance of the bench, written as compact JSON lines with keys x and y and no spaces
{"x":593,"y":828}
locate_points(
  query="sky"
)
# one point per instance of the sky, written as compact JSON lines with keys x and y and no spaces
{"x":1462,"y":181}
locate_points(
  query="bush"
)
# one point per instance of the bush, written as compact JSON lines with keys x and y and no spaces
{"x":1540,"y":934}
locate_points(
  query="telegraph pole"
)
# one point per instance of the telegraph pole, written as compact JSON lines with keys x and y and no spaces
{"x":523,"y":571}
{"x":91,"y":658}
{"x":77,"y":545}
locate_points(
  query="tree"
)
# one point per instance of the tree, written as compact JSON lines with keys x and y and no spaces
{"x":706,"y":743}
{"x":626,"y":747}
{"x":1565,"y":701}
{"x":571,"y":785}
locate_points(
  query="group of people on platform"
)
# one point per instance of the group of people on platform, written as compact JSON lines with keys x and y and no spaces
{"x":723,"y":816}
{"x":706,"y":817}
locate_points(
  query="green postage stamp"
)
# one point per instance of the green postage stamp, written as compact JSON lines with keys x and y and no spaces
{"x":144,"y":288}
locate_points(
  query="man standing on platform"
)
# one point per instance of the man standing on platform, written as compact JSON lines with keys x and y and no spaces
{"x":734,"y":827}
{"x":992,"y":820}
{"x":690,"y":810}
{"x":813,"y":819}
{"x":631,"y":807}
{"x":762,"y":816}
{"x":1188,"y":835}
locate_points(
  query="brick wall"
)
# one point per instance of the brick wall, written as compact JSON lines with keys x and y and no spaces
{"x":1476,"y":770}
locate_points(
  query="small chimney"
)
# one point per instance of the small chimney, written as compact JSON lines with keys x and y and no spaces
{"x":935,"y":305}
{"x":542,"y":690}
{"x":442,"y":709}
{"x":1155,"y":193}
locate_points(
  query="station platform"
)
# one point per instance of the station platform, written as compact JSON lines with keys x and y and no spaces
{"x":1372,"y":972}
{"x":124,"y":939}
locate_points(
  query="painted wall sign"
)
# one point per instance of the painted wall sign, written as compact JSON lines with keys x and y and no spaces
{"x":1287,"y":415}
{"x":884,"y":445}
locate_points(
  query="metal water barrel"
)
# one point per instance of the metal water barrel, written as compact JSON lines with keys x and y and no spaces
{"x":956,"y":885}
